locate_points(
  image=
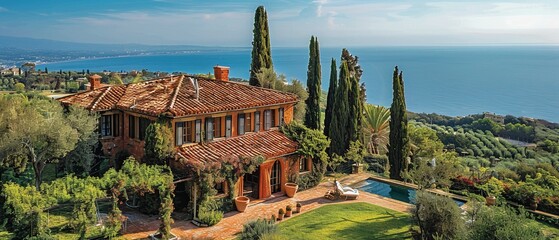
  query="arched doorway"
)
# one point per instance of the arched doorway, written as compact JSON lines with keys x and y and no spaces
{"x":275,"y":177}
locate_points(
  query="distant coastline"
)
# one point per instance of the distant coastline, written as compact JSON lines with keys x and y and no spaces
{"x":453,"y":81}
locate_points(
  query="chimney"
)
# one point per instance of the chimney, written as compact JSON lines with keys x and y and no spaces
{"x":94,"y":82}
{"x":221,"y":73}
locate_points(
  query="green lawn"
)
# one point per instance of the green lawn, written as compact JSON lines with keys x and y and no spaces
{"x":347,"y":221}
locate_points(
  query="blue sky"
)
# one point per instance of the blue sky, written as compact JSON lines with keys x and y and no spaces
{"x":292,"y":22}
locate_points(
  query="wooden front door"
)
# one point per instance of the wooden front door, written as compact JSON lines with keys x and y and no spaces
{"x":275,"y":178}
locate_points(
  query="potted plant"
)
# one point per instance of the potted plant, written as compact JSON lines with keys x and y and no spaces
{"x":273,"y":218}
{"x":241,"y":202}
{"x":281,"y":213}
{"x":355,"y":154}
{"x":493,"y":188}
{"x":288,"y":211}
{"x":298,"y":207}
{"x":291,"y":189}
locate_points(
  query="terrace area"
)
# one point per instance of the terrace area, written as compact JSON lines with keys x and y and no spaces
{"x":139,"y":226}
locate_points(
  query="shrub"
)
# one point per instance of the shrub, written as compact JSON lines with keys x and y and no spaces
{"x":503,"y":223}
{"x":257,"y":229}
{"x":288,"y":208}
{"x":281,"y":211}
{"x":437,"y":216}
{"x":211,"y":217}
{"x":209,"y":212}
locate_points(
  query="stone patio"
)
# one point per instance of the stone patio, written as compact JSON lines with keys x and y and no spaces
{"x":140,"y":226}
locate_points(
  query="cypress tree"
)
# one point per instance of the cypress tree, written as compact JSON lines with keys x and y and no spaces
{"x":340,"y":112}
{"x":398,"y":141}
{"x":261,"y":52}
{"x":312,"y":116}
{"x":356,"y":97}
{"x":331,"y":96}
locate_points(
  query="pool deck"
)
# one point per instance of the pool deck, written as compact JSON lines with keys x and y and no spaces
{"x":140,"y":226}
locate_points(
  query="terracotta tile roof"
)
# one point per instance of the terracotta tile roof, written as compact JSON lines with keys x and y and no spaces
{"x":175,"y":96}
{"x":269,"y":144}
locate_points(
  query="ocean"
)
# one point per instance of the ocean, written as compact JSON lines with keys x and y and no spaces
{"x":455,"y":81}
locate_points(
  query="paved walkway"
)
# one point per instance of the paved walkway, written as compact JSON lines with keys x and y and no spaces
{"x":140,"y":226}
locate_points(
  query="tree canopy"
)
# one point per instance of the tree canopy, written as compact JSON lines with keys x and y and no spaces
{"x":261,"y":52}
{"x":37,"y":131}
{"x":398,"y":149}
{"x":314,"y":81}
{"x":331,"y":97}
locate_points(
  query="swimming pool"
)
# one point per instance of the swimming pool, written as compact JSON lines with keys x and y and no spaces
{"x":395,"y":192}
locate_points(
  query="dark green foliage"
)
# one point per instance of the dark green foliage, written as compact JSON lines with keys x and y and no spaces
{"x":503,"y":223}
{"x":312,"y":116}
{"x":149,"y":203}
{"x":356,"y":97}
{"x":486,"y":124}
{"x":437,"y":216}
{"x":158,"y":147}
{"x":331,"y":97}
{"x":398,"y":148}
{"x":338,"y":127}
{"x":261,"y":51}
{"x":312,"y":144}
{"x":255,"y":229}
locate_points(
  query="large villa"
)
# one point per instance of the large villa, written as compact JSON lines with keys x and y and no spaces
{"x":211,"y":119}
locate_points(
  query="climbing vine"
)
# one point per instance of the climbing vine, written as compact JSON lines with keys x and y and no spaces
{"x":24,"y":206}
{"x":313,"y":145}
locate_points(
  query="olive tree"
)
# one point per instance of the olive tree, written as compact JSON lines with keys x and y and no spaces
{"x":39,"y":130}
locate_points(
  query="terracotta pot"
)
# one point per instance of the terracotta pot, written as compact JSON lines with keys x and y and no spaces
{"x":280,"y":217}
{"x":490,"y":200}
{"x":356,"y":168}
{"x":288,"y":213}
{"x":241,"y":202}
{"x":298,"y":210}
{"x":291,"y":189}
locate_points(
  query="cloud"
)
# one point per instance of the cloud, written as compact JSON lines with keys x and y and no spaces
{"x":161,"y":27}
{"x":335,"y":22}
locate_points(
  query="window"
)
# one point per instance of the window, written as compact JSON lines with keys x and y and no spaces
{"x":106,"y":125}
{"x":269,"y":120}
{"x":131,"y":126}
{"x":217,"y":127}
{"x":241,"y":124}
{"x":198,"y":128}
{"x":228,"y":124}
{"x":180,"y":133}
{"x":303,"y":165}
{"x":116,"y":125}
{"x":184,"y":133}
{"x":219,"y":187}
{"x":248,"y":122}
{"x":209,"y":129}
{"x":281,"y":114}
{"x":144,"y":123}
{"x":257,"y":121}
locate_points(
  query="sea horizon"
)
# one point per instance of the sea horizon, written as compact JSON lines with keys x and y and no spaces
{"x":519,"y":80}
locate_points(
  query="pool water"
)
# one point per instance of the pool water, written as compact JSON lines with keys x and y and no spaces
{"x":395,"y":192}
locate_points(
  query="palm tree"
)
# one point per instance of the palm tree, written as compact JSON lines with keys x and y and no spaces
{"x":377,"y":128}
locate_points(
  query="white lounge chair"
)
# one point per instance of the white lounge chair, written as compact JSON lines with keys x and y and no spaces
{"x":346,"y":192}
